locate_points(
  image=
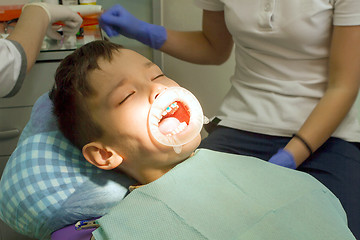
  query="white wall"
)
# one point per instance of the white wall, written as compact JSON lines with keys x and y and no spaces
{"x":208,"y":83}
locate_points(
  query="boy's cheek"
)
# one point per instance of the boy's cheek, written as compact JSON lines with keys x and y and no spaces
{"x":137,"y":116}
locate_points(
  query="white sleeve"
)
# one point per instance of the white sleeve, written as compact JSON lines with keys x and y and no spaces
{"x":346,"y":12}
{"x":211,"y":5}
{"x":13,"y":66}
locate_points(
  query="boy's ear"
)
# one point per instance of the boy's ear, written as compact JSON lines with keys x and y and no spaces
{"x":101,"y":156}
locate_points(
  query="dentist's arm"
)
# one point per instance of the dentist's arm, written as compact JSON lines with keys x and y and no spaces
{"x":22,"y":46}
{"x":343,"y":87}
{"x":28,"y":34}
{"x":35,"y":21}
{"x":212,"y":45}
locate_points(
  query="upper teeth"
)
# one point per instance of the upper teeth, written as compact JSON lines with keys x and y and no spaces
{"x":170,"y":108}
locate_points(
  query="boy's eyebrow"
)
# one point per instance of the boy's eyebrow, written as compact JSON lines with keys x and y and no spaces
{"x":149,"y":64}
{"x":108,"y":95}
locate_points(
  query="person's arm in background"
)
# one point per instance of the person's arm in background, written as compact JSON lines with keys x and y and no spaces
{"x":22,"y":46}
{"x":212,"y":45}
{"x":35,"y":21}
{"x":28,"y":34}
{"x":340,"y":95}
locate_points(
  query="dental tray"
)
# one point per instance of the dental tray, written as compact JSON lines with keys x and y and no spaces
{"x":9,"y":12}
{"x":89,"y":13}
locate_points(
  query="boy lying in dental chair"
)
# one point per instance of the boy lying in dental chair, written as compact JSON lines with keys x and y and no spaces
{"x":104,"y":99}
{"x":124,"y":114}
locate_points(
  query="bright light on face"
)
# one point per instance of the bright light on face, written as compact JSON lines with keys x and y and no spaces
{"x":175,"y":117}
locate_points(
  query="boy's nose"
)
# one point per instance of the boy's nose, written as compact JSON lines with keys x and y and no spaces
{"x":156,"y":89}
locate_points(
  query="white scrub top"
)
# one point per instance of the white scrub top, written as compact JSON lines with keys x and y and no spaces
{"x":13,"y":66}
{"x":282,"y":53}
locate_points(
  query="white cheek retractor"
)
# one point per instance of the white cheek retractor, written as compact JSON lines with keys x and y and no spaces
{"x":176,"y":118}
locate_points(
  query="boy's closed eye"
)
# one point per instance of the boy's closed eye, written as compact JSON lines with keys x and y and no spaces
{"x":133,"y":92}
{"x":127,"y":97}
{"x":158,"y":76}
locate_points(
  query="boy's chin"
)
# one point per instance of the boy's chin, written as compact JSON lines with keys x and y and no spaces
{"x":187,"y":149}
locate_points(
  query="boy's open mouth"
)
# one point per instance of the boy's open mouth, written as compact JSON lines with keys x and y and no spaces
{"x":175,"y":118}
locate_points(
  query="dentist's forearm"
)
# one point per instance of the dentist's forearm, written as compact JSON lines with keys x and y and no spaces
{"x":212,"y":45}
{"x":322,"y":122}
{"x":30,"y":33}
{"x":193,"y":47}
{"x":343,"y":87}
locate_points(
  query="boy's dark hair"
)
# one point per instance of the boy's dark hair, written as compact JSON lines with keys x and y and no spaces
{"x":71,"y":89}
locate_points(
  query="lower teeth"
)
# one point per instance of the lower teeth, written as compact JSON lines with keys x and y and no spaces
{"x":179,"y":129}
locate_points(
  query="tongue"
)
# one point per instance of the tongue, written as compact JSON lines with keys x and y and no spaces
{"x":168,"y":125}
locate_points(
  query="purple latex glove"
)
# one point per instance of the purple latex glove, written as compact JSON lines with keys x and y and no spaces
{"x":117,"y":20}
{"x":283,"y":158}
